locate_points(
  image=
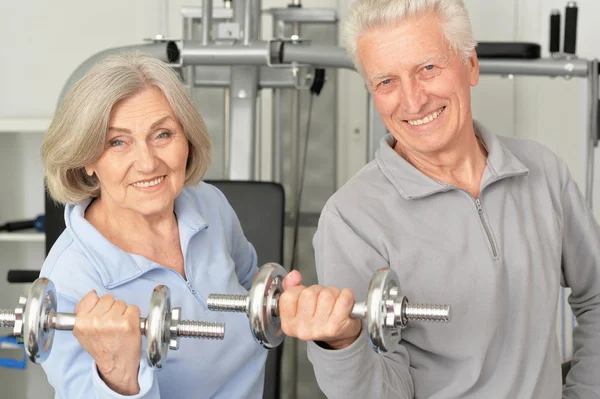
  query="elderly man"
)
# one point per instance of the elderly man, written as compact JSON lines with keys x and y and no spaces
{"x":490,"y":225}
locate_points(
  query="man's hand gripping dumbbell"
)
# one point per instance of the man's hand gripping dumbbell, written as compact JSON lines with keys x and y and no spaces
{"x":328,"y":315}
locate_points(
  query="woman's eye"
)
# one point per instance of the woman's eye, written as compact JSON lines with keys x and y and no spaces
{"x":116,"y":143}
{"x":164,"y":135}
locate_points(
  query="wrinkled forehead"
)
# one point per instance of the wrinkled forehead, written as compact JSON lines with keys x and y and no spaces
{"x":407,"y":43}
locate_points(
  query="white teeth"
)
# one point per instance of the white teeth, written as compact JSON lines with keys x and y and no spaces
{"x":427,"y":119}
{"x":149,"y":183}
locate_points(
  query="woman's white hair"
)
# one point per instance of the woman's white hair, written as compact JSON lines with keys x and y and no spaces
{"x":368,"y":14}
{"x":77,"y":133}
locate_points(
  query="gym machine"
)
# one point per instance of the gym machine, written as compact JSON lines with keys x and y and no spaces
{"x":230,"y":54}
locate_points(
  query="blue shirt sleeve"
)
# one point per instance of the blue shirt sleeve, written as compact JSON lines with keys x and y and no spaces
{"x":242,"y":253}
{"x":72,"y":372}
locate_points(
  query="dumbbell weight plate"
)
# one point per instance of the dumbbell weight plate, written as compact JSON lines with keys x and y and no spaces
{"x":380,"y":303}
{"x":157,"y":326}
{"x":41,"y":302}
{"x":264,"y":319}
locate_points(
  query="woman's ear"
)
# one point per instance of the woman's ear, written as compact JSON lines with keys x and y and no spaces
{"x":89,"y":170}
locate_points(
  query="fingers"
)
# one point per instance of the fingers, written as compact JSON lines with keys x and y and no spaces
{"x":132,"y":312}
{"x":132,"y":315}
{"x":118,"y":308}
{"x":326,"y":303}
{"x":87,"y":303}
{"x":104,"y":305}
{"x":343,"y":306}
{"x":307,"y":303}
{"x":293,"y":279}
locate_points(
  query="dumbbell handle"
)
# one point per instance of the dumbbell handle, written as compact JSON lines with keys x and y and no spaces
{"x":185,"y":328}
{"x":403,"y":310}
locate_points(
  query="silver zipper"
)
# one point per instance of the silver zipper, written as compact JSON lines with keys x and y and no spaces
{"x":486,"y":228}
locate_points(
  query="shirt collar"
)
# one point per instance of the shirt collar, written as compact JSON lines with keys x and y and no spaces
{"x":114,"y":265}
{"x":411,"y":183}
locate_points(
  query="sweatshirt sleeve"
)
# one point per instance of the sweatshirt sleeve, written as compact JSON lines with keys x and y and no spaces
{"x":345,"y":260}
{"x":581,"y":273}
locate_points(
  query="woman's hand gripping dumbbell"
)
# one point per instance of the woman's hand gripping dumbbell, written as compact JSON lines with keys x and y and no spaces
{"x":104,"y":327}
{"x":385,"y":311}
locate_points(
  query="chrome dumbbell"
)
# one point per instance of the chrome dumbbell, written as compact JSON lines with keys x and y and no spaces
{"x":35,"y":319}
{"x":386,"y":312}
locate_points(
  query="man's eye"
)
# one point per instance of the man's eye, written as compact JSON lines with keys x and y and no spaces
{"x":429,"y":67}
{"x":386,"y":82}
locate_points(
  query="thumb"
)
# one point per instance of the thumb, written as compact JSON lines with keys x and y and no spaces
{"x":293,"y":279}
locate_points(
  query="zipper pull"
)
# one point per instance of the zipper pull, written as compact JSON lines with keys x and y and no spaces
{"x":479,"y":207}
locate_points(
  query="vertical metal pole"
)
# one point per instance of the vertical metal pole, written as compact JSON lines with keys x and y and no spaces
{"x":207,"y":15}
{"x":247,"y":22}
{"x":242,"y":100}
{"x":277,"y":142}
{"x":226,"y":133}
{"x":276,"y":148}
{"x":592,"y":141}
{"x":189,"y":72}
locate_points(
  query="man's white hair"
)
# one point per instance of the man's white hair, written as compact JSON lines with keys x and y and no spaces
{"x":368,"y":14}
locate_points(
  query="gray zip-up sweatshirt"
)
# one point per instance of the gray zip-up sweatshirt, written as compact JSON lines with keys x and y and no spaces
{"x":498,"y":260}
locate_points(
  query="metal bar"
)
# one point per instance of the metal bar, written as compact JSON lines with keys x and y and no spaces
{"x":304,"y":15}
{"x":226,"y":127}
{"x":196,"y":13}
{"x":189,"y":72}
{"x":316,"y":54}
{"x":242,"y":122}
{"x":258,"y":53}
{"x":592,"y":142}
{"x":538,"y":67}
{"x":194,"y":53}
{"x":247,"y":22}
{"x":359,"y":310}
{"x":277,"y":142}
{"x":276,"y":149}
{"x":336,"y":57}
{"x":165,"y":51}
{"x":255,"y":18}
{"x":62,"y":321}
{"x":258,"y":136}
{"x":207,"y":16}
{"x":269,"y":78}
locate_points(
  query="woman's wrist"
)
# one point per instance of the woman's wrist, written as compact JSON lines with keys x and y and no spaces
{"x":122,"y":382}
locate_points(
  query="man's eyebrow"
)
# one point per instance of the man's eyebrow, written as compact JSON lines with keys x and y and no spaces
{"x":380,"y":76}
{"x":428,"y":59}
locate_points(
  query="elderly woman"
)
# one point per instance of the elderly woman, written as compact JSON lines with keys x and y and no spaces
{"x":126,"y":152}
